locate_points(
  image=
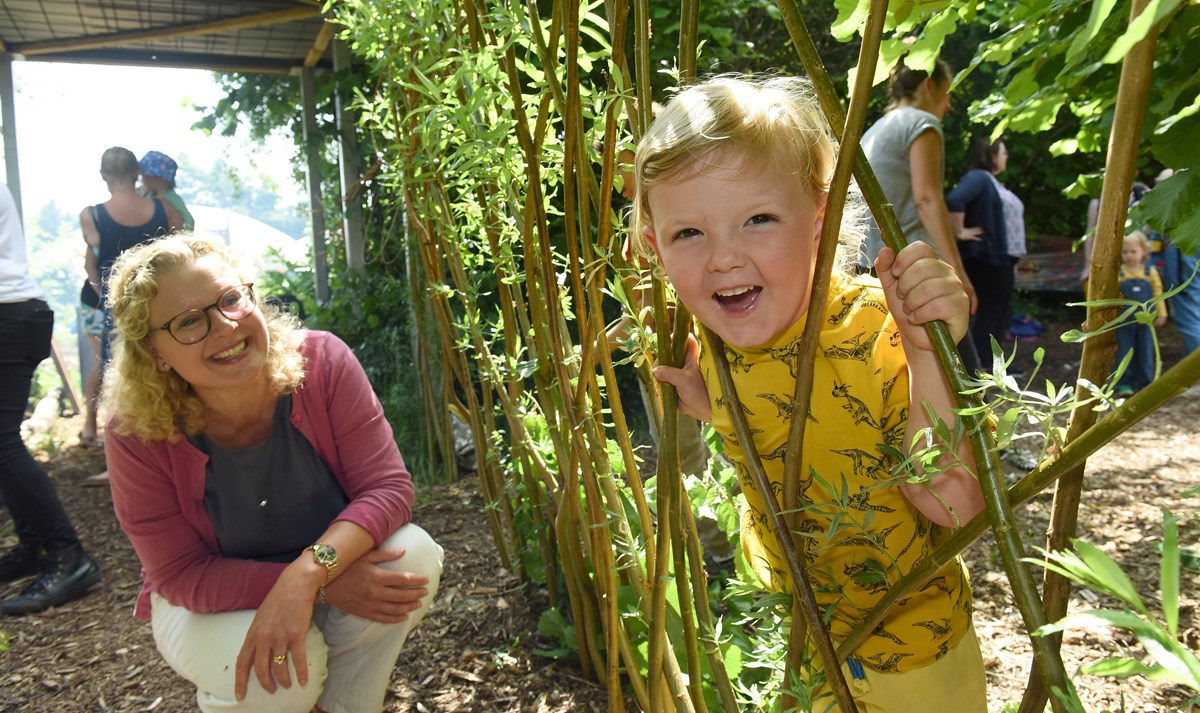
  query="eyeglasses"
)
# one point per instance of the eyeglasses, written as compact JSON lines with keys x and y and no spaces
{"x":194,"y":325}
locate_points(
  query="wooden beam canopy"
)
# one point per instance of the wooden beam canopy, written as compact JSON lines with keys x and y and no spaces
{"x":191,"y":29}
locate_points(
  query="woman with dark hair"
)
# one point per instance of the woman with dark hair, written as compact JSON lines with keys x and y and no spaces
{"x":976,"y":203}
{"x":905,"y":149}
{"x":255,"y":474}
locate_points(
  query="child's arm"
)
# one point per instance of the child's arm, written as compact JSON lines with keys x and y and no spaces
{"x":921,"y":288}
{"x":688,"y":383}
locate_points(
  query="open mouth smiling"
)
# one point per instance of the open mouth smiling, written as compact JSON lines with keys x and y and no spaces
{"x":231,"y":352}
{"x":737,"y":299}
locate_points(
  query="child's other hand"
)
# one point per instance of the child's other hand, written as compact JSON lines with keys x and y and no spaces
{"x":1160,"y":320}
{"x":920,"y":288}
{"x":688,"y":382}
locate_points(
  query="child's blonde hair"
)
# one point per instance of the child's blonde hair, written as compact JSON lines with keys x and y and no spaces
{"x":753,"y":120}
{"x":1139,"y":239}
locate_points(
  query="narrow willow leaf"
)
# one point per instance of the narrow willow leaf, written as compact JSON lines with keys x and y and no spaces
{"x":1171,"y":655}
{"x":1169,"y":578}
{"x":1098,"y":619}
{"x":1110,"y":573}
{"x":1119,"y":668}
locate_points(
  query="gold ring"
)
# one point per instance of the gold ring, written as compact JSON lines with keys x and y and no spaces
{"x":281,"y":659}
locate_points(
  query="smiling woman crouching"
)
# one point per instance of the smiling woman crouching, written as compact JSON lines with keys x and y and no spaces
{"x":256,"y":476}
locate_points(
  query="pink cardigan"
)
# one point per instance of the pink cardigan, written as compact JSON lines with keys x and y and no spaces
{"x":158,"y":487}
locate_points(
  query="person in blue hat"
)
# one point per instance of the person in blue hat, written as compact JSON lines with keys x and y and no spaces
{"x":158,"y":177}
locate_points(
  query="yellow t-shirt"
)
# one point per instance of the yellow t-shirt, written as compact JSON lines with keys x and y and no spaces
{"x":863,"y":534}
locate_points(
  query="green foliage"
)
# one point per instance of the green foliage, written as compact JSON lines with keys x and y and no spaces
{"x":554,"y":625}
{"x":1170,"y":659}
{"x":1048,"y":73}
{"x":1173,"y":208}
{"x":264,"y":104}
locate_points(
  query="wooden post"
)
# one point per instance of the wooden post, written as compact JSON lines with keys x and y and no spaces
{"x":312,"y":152}
{"x":349,"y":162}
{"x":8,"y":116}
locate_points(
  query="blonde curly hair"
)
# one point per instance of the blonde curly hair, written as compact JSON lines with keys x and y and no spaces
{"x":158,"y":405}
{"x":731,"y":118}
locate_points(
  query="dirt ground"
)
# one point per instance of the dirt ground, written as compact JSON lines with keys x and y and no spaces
{"x":477,"y":650}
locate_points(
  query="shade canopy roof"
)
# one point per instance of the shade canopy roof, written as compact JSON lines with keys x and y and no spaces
{"x":271,"y":36}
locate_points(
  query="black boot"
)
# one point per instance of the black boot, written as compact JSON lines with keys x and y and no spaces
{"x":21,"y":561}
{"x":66,"y":575}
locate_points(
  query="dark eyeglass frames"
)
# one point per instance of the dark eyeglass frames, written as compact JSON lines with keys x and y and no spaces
{"x":194,"y":325}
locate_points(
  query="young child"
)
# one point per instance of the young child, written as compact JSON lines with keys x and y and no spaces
{"x":1138,"y":281}
{"x":158,"y":178}
{"x":732,"y":181}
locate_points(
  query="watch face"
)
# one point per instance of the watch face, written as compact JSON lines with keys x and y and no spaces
{"x":324,"y":554}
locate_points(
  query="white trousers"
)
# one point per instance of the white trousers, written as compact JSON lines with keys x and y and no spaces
{"x":350,"y":659}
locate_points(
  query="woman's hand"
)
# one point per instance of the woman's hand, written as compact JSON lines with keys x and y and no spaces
{"x":969,"y":235}
{"x":372,"y":592}
{"x":920,"y":288}
{"x":279,"y":629}
{"x":689,"y":384}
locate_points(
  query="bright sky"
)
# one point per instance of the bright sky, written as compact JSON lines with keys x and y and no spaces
{"x":68,"y":114}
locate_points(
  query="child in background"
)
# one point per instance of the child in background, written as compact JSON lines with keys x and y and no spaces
{"x":1138,"y":281}
{"x":732,"y":181}
{"x":158,"y":178}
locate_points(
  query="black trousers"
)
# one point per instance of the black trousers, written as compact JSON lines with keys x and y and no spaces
{"x":994,"y":288}
{"x":29,"y":494}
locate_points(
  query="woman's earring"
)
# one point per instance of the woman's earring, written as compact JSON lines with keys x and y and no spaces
{"x":165,"y":366}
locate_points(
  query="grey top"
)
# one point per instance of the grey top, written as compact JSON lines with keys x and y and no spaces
{"x":271,"y":500}
{"x":886,"y":146}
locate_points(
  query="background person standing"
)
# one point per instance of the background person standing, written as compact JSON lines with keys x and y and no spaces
{"x":124,"y":220}
{"x":47,"y":544}
{"x":906,"y":150}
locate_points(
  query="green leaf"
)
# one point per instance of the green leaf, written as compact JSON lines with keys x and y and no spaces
{"x":1174,"y":208}
{"x":1097,"y":619}
{"x":1124,"y":668}
{"x":1110,"y":573}
{"x":1168,"y":581}
{"x":1174,"y":141}
{"x":1155,"y":11}
{"x":1118,"y":668}
{"x":1100,"y":12}
{"x":852,"y":14}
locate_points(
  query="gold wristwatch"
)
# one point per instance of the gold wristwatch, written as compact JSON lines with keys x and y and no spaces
{"x":327,"y":557}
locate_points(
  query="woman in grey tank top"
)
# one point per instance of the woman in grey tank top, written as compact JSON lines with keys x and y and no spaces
{"x":905,"y":149}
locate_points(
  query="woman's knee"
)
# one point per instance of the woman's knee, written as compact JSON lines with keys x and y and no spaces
{"x":203,"y":649}
{"x":422,"y":555}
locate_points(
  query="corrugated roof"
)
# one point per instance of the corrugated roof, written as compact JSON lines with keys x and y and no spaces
{"x":230,"y":35}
